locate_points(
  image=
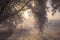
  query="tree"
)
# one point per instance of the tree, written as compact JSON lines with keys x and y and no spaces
{"x":55,"y":5}
{"x":12,"y":7}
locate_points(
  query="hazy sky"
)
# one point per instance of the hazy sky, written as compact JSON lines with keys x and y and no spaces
{"x":55,"y":17}
{"x":49,"y":14}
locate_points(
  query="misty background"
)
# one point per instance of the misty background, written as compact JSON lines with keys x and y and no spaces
{"x":52,"y":30}
{"x":18,"y":28}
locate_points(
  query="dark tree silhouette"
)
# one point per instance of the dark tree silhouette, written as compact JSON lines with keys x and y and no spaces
{"x":40,"y":12}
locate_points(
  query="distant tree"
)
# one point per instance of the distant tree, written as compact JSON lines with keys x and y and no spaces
{"x":56,"y":5}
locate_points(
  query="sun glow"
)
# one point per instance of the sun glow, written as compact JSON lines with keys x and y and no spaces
{"x":27,"y":13}
{"x":29,"y":20}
